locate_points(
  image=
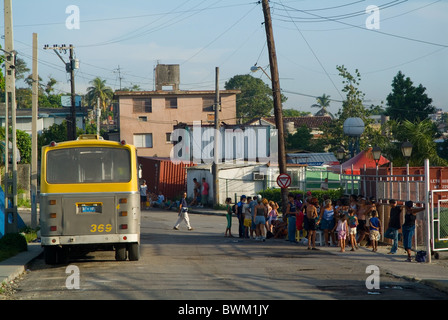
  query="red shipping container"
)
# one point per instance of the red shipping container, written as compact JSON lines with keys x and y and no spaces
{"x":161,"y":174}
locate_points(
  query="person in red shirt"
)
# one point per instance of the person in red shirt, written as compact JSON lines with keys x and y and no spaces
{"x":204,"y":193}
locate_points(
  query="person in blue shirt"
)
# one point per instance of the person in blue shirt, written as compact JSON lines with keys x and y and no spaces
{"x":375,"y":230}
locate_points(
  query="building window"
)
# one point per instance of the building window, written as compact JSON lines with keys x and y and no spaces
{"x":142,"y":105}
{"x":143,"y":119}
{"x":143,"y":140}
{"x":171,"y":102}
{"x":168,"y":137}
{"x":208,"y":104}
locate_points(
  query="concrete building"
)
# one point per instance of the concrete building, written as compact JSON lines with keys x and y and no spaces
{"x":146,"y":118}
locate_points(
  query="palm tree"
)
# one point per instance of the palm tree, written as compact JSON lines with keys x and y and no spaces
{"x":99,"y":90}
{"x":323,"y":102}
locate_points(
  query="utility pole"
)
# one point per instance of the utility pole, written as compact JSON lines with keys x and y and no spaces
{"x":98,"y":116}
{"x":276,"y":96}
{"x":72,"y":135}
{"x":34,"y":151}
{"x":119,"y":75}
{"x":10,"y":101}
{"x":216,"y":152}
{"x":69,"y":68}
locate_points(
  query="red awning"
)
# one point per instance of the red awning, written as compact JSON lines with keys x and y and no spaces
{"x":358,"y":162}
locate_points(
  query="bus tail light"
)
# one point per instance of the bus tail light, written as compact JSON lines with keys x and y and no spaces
{"x":53,"y":215}
{"x":53,"y":228}
{"x":123,"y":142}
{"x":53,"y":144}
{"x":52,"y":202}
{"x":124,"y":226}
{"x":124,"y":213}
{"x":123,"y":200}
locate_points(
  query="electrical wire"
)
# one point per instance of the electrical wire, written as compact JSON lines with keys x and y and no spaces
{"x":375,"y":30}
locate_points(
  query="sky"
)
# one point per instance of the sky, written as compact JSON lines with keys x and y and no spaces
{"x":118,"y":40}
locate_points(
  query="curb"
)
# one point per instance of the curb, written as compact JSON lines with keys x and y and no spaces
{"x":13,"y":267}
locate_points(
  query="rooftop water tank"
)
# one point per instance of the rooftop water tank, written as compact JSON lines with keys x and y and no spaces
{"x":353,"y":127}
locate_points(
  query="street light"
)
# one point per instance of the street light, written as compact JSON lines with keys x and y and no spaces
{"x":406,"y":150}
{"x":255,"y":68}
{"x":376,"y":152}
{"x":340,"y":153}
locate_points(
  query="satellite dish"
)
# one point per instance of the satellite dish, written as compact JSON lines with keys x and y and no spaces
{"x":353,"y":127}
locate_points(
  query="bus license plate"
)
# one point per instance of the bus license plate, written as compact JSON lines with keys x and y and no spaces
{"x":90,"y":208}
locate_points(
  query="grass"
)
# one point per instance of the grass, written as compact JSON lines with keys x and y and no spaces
{"x":14,"y":243}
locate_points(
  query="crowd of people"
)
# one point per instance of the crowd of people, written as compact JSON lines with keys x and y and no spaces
{"x":350,"y":221}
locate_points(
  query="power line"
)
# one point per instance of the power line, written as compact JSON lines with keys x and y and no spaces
{"x":374,"y":30}
{"x":316,"y":57}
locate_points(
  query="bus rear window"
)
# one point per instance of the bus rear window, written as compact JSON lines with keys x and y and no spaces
{"x":88,"y":165}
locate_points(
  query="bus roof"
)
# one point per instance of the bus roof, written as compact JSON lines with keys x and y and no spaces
{"x":88,"y":140}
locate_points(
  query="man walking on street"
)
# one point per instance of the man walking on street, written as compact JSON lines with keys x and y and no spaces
{"x":183,"y":214}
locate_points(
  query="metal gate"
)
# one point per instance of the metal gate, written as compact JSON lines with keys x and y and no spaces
{"x":439,"y":220}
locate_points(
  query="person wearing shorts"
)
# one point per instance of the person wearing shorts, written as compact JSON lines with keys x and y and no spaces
{"x":375,"y":229}
{"x":352,"y":224}
{"x":260,"y":213}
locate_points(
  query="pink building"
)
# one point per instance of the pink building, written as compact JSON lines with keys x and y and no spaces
{"x":146,"y":118}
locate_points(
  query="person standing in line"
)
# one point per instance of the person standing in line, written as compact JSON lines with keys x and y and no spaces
{"x":290,"y":214}
{"x":143,"y":195}
{"x":273,"y":214}
{"x":229,"y":218}
{"x":311,"y":214}
{"x":253,"y":227}
{"x":240,"y":215}
{"x":260,"y":219}
{"x":326,"y":221}
{"x":342,"y":231}
{"x":394,"y":225}
{"x":408,"y":226}
{"x":352,"y":225}
{"x":196,"y":192}
{"x":183,"y":214}
{"x":247,"y":217}
{"x":375,"y":230}
{"x":204,"y":193}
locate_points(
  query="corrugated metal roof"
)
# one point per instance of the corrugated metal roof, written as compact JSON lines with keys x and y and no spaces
{"x":312,"y":159}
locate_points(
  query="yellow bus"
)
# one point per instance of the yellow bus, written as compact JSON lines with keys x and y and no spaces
{"x":89,"y":199}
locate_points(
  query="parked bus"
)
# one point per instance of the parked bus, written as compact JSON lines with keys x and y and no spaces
{"x":89,"y":199}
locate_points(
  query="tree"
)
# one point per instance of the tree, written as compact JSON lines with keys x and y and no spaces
{"x":303,"y":140}
{"x":295,"y":113}
{"x":99,"y":90}
{"x":323,"y":102}
{"x":23,"y":145}
{"x":407,"y":101}
{"x":255,"y":99}
{"x":352,"y":106}
{"x":422,"y":135}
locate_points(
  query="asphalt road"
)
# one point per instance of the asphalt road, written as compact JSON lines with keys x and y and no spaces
{"x":204,"y":265}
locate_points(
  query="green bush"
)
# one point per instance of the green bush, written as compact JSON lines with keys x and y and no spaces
{"x":13,"y":241}
{"x":11,"y":245}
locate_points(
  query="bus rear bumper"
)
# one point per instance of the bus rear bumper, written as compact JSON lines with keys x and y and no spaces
{"x":89,"y":239}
